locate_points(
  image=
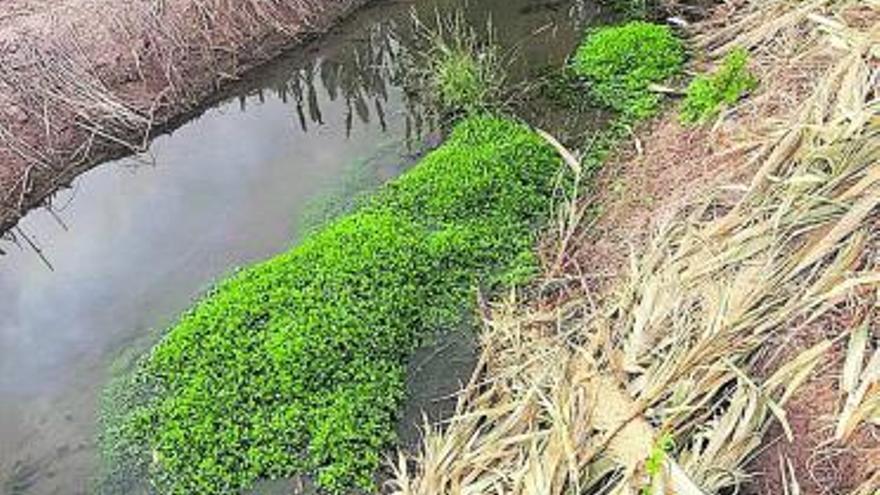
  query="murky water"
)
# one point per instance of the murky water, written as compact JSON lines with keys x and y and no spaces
{"x":135,"y":241}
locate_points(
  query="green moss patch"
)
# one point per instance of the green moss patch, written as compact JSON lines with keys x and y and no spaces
{"x":708,"y":94}
{"x":620,"y":62}
{"x":296,"y":365}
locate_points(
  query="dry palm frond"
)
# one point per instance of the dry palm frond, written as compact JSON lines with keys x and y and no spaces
{"x":552,"y":417}
{"x":578,"y":399}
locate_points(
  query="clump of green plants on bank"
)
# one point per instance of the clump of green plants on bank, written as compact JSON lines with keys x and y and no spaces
{"x":614,"y":67}
{"x":296,"y":365}
{"x":708,"y":94}
{"x":656,"y":461}
{"x":619,"y":63}
{"x":462,"y":72}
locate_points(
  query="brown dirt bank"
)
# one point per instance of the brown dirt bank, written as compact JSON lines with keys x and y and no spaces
{"x":82,"y":81}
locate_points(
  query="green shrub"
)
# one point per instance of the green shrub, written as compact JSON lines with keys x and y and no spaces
{"x":297,"y":364}
{"x":708,"y":94}
{"x":620,"y":62}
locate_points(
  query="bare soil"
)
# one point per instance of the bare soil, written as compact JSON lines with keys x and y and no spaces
{"x":655,"y":175}
{"x":822,"y":465}
{"x":82,"y":81}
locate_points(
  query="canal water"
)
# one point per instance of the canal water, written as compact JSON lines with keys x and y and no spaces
{"x":135,"y":241}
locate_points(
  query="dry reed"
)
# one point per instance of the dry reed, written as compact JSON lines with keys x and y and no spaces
{"x":88,"y":79}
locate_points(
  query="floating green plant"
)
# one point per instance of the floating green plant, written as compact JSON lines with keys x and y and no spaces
{"x":296,"y":365}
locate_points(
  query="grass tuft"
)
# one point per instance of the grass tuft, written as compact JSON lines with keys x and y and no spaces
{"x":459,"y":69}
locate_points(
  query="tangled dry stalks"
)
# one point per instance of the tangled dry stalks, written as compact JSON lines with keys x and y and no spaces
{"x":82,"y":80}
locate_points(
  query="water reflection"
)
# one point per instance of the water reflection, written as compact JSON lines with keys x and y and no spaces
{"x":357,"y":67}
{"x":359,"y":78}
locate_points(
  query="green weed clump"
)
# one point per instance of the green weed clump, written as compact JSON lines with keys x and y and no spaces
{"x":620,"y":62}
{"x":461,"y":72}
{"x":461,"y":81}
{"x":708,"y":94}
{"x":296,"y":365}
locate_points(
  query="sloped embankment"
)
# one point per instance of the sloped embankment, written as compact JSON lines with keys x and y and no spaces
{"x":85,"y":80}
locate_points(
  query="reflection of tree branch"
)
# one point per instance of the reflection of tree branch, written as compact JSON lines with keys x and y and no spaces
{"x":303,"y":124}
{"x":314,"y":106}
{"x":330,"y":78}
{"x":359,"y":72}
{"x":281,"y":91}
{"x":33,"y":245}
{"x":296,"y":89}
{"x":348,"y":118}
{"x":381,"y":114}
{"x":360,"y":105}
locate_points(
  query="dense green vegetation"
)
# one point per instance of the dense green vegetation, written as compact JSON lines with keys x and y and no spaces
{"x":614,"y":67}
{"x":297,"y":364}
{"x":619,"y":63}
{"x":709,"y":93}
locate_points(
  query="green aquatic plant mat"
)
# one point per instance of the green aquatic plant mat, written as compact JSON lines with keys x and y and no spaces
{"x":296,"y":365}
{"x":708,"y":94}
{"x":619,"y":63}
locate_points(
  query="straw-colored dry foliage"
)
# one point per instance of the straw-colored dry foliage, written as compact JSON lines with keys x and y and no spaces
{"x":656,"y":388}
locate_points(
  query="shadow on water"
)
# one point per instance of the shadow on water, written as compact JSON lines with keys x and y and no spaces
{"x":135,"y":241}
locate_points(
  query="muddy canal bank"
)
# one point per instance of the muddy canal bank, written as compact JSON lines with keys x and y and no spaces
{"x":85,"y":80}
